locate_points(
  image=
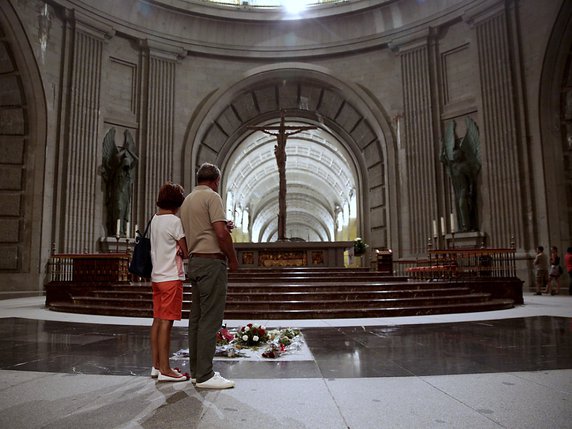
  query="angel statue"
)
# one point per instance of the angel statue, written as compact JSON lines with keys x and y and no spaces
{"x":461,"y":157}
{"x":117,"y":173}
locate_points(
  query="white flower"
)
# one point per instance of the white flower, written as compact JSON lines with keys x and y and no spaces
{"x":245,"y":338}
{"x":262,"y":327}
{"x":255,"y":325}
{"x":255,"y":338}
{"x":246,"y":329}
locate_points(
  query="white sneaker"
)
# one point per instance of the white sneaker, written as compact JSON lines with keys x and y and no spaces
{"x":194,"y":380}
{"x":216,"y":382}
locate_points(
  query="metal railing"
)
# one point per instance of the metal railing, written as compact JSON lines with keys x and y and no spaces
{"x":88,"y":267}
{"x":462,"y":263}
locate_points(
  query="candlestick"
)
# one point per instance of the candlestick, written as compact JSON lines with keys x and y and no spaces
{"x":443,"y":229}
{"x":118,"y":229}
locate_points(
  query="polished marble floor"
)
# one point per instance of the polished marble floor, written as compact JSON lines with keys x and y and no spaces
{"x":520,"y":344}
{"x":502,"y":369}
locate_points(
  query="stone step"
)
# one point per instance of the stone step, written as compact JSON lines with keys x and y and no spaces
{"x":315,"y":278}
{"x":324,"y":313}
{"x":292,"y":293}
{"x":356,"y":303}
{"x":274,"y":303}
{"x":303,"y":294}
{"x":257,"y":286}
{"x":397,"y":311}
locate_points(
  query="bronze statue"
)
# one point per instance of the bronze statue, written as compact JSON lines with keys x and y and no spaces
{"x":461,"y":159}
{"x":117,"y":172}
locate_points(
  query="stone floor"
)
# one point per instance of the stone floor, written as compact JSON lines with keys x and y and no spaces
{"x":500,"y":369}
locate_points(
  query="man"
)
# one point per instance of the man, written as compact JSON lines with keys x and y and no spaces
{"x":541,"y":265}
{"x":210,"y":246}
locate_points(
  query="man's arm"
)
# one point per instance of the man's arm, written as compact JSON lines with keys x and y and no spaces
{"x":184,"y":252}
{"x":225,"y":243}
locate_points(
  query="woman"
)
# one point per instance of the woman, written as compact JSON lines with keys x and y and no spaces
{"x":555,"y":271}
{"x":568,"y":262}
{"x":168,"y":247}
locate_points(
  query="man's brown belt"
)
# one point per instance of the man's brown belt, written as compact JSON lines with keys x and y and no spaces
{"x":209,"y":255}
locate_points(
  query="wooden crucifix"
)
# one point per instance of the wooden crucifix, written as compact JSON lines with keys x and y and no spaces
{"x":282,"y":132}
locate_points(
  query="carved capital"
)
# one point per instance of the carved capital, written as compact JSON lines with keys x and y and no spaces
{"x":483,"y":12}
{"x":163,"y":50}
{"x":412,"y":41}
{"x":90,"y":26}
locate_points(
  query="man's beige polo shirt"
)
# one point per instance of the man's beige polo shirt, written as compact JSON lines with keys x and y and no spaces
{"x":201,"y":208}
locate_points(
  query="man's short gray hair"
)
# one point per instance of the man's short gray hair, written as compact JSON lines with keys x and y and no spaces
{"x":207,"y":173}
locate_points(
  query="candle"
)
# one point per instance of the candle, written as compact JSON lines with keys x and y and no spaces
{"x":118,"y":229}
{"x":136,"y":229}
{"x":453,"y":225}
{"x":443,"y":229}
{"x":435,"y":233}
{"x":127,"y":232}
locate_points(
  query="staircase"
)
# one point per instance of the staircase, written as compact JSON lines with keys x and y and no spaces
{"x":297,"y":294}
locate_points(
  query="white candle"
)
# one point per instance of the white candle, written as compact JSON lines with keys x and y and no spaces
{"x":443,"y":229}
{"x":118,"y":229}
{"x":127,"y":232}
{"x":453,"y":225}
{"x":435,"y":233}
{"x":136,"y":228}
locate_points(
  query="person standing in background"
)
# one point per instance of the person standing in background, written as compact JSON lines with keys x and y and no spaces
{"x":555,"y":271}
{"x":568,"y":263}
{"x":211,"y":248}
{"x":541,"y":265}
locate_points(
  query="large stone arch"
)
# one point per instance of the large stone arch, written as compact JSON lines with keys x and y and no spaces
{"x":24,"y":244}
{"x":556,"y":132}
{"x":313,"y":95}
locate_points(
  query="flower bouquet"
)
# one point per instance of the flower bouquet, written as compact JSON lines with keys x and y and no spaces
{"x":251,"y":335}
{"x":223,"y":336}
{"x":359,"y":247}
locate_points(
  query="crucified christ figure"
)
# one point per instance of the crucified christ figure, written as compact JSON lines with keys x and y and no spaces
{"x":282,"y":132}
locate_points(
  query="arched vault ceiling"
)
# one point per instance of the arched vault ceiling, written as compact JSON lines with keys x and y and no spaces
{"x":319,"y":177}
{"x":297,"y":203}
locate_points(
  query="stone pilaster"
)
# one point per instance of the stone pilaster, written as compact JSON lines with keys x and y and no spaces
{"x":499,"y":135}
{"x":417,"y":151}
{"x":81,"y":155}
{"x":157,"y":157}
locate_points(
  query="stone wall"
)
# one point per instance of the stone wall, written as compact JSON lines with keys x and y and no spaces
{"x":399,"y":71}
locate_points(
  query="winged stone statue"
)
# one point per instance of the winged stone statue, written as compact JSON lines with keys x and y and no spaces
{"x":461,"y":158}
{"x":118,"y":173}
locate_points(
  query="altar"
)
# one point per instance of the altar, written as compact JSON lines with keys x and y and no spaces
{"x":292,"y":254}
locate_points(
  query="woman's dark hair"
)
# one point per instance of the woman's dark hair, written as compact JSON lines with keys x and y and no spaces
{"x":207,"y":173}
{"x":171,"y":196}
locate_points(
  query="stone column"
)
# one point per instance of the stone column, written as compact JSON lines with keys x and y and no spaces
{"x":417,"y":151}
{"x":80,"y":152}
{"x":499,"y":136}
{"x":157,"y":119}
